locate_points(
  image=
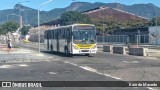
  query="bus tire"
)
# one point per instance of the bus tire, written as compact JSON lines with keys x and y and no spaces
{"x":66,"y":51}
{"x":51,"y":48}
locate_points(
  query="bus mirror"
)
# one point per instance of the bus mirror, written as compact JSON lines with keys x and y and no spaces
{"x":97,"y":33}
{"x":68,"y":40}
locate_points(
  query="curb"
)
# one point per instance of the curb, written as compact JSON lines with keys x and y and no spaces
{"x":28,"y":60}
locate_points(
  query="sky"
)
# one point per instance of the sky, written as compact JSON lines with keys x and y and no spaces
{"x":9,"y":4}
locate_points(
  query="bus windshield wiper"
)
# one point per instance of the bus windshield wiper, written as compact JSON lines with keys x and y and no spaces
{"x":80,"y":32}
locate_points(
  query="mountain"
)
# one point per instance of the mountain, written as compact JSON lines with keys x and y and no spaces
{"x":30,"y":15}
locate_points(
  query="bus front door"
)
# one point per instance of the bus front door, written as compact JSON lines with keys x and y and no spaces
{"x":57,"y":41}
{"x":47,"y":42}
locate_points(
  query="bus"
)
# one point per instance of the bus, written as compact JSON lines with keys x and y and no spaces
{"x":72,"y":39}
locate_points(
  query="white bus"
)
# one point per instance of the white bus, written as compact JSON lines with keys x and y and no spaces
{"x":72,"y":39}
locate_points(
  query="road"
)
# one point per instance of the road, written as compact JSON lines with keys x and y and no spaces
{"x":117,"y":66}
{"x":124,"y":67}
{"x":99,"y":67}
{"x":53,"y":71}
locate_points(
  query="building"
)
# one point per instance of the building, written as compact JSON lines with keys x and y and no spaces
{"x":149,"y":35}
{"x":116,"y":14}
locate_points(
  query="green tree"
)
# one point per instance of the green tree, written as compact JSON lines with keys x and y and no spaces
{"x":112,"y":24}
{"x":154,"y":20}
{"x":24,"y":30}
{"x":74,"y":17}
{"x":1,"y":30}
{"x":8,"y":27}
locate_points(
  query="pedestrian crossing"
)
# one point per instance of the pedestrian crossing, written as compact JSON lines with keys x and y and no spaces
{"x":7,"y":66}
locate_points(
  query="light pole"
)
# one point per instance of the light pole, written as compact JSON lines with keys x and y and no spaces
{"x":39,"y":24}
{"x":138,"y":37}
{"x":156,"y":30}
{"x":20,"y":16}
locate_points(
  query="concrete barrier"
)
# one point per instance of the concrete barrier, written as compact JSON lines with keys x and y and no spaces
{"x":108,"y":48}
{"x":138,"y":51}
{"x":119,"y":50}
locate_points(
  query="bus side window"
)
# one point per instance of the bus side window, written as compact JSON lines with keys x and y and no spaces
{"x":50,"y":35}
{"x":68,"y":36}
{"x":59,"y":34}
{"x":53,"y":34}
{"x":45,"y":35}
{"x":63,"y":34}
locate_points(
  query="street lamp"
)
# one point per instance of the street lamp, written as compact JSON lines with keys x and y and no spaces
{"x":138,"y":37}
{"x":39,"y":23}
{"x":20,"y":16}
{"x":156,"y":30}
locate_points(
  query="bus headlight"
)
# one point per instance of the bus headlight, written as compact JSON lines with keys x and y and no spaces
{"x":75,"y":47}
{"x":94,"y":47}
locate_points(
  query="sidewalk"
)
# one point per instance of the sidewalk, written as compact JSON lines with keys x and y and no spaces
{"x":21,"y":55}
{"x":152,"y":51}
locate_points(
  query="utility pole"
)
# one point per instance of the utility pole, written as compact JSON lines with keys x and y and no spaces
{"x":156,"y":30}
{"x":39,"y":24}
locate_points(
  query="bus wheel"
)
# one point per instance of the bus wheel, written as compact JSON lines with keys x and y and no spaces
{"x":51,"y":48}
{"x":66,"y":51}
{"x":86,"y":54}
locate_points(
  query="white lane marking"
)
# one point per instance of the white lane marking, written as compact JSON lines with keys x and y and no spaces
{"x":107,"y":75}
{"x":113,"y":77}
{"x":71,"y":63}
{"x":93,"y":70}
{"x":66,"y":62}
{"x":88,"y":68}
{"x":99,"y":73}
{"x":131,"y":62}
{"x":53,"y":73}
{"x":151,"y":88}
{"x":23,"y":65}
{"x":116,"y":78}
{"x":5,"y":66}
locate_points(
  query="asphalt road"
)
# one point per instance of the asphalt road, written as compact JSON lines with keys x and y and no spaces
{"x":52,"y":71}
{"x":117,"y":66}
{"x":125,"y":67}
{"x":99,"y":67}
{"x":62,"y":69}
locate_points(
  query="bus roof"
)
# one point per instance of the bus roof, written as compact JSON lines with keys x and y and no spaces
{"x":68,"y":26}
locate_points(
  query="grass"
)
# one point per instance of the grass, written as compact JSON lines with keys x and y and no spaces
{"x":15,"y":46}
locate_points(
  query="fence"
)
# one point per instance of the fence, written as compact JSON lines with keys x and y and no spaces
{"x":123,"y":39}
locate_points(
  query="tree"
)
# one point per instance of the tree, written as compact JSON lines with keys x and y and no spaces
{"x":1,"y":30}
{"x":8,"y":27}
{"x":109,"y":24}
{"x":24,"y":30}
{"x":154,"y":20}
{"x":74,"y":17}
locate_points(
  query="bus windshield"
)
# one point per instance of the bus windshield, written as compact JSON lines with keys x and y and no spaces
{"x":84,"y":35}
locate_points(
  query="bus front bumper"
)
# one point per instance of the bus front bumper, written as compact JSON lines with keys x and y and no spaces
{"x":84,"y":51}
